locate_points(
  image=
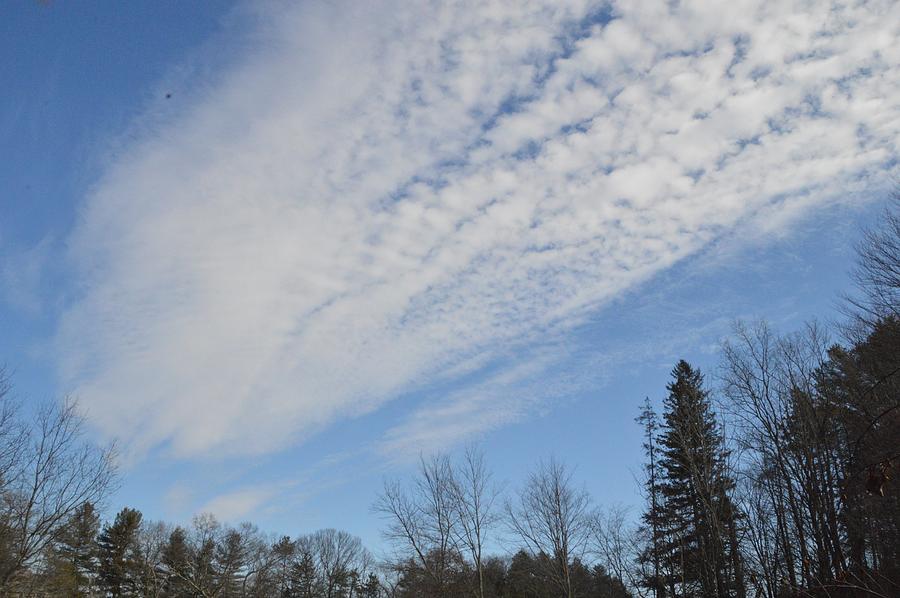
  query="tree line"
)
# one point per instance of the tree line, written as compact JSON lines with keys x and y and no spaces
{"x":768,"y":477}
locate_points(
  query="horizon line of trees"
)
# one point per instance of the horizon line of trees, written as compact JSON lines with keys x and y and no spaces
{"x":774,"y":482}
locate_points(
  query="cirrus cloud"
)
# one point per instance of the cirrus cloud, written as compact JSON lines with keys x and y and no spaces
{"x":380,"y":193}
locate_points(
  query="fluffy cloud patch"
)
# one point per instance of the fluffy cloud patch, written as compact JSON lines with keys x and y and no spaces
{"x":386,"y":190}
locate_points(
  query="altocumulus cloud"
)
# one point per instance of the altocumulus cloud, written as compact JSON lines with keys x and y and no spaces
{"x":383,"y":191}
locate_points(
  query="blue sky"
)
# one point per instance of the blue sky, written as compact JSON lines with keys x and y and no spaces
{"x":278,"y":249}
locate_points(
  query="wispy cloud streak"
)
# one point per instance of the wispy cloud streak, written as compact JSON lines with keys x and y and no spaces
{"x":386,"y":190}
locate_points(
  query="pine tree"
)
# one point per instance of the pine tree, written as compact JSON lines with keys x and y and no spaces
{"x":121,"y":561}
{"x":176,"y":559}
{"x":230,"y":562}
{"x":73,"y":563}
{"x":697,"y":517}
{"x":283,"y":554}
{"x":304,"y":578}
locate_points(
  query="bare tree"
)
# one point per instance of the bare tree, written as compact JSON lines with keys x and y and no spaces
{"x":52,"y":472}
{"x":423,"y":519}
{"x":793,"y":455}
{"x":759,"y":405}
{"x":615,"y":542}
{"x":339,"y":556}
{"x":474,"y":498}
{"x":551,"y":519}
{"x":390,"y":578}
{"x":152,"y":537}
{"x":877,"y":271}
{"x":259,"y":562}
{"x":12,"y":432}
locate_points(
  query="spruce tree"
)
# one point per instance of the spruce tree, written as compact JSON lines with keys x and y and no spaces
{"x":697,"y":517}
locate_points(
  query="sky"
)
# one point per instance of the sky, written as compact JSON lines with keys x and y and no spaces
{"x":277,"y":250}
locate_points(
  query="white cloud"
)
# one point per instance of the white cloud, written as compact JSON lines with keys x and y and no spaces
{"x":235,"y":505}
{"x":385,"y":191}
{"x":507,"y":395}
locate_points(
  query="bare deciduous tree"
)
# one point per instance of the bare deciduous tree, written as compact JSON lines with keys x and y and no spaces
{"x":615,"y":542}
{"x":422,"y":520}
{"x":339,"y":556}
{"x":51,"y":472}
{"x":551,"y":519}
{"x":877,"y":271}
{"x":474,"y":497}
{"x":152,"y":537}
{"x":12,"y":432}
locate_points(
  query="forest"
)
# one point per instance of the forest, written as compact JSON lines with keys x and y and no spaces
{"x":768,"y":477}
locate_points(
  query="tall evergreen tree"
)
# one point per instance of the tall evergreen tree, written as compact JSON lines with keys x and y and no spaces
{"x":121,"y":561}
{"x":697,"y":519}
{"x":176,"y":560}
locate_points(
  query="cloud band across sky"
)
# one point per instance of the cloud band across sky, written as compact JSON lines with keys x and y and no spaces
{"x":383,"y":191}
